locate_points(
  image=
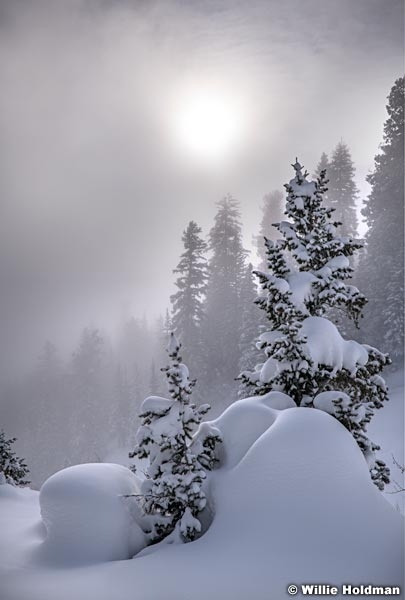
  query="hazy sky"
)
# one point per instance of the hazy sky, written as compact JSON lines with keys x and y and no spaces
{"x":95,"y":188}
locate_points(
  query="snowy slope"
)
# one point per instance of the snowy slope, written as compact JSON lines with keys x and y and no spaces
{"x":387,"y":429}
{"x":293,"y":503}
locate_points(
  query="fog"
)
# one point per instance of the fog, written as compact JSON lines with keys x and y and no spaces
{"x":95,"y":189}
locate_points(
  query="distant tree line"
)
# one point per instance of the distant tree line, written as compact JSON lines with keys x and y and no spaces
{"x":86,"y":407}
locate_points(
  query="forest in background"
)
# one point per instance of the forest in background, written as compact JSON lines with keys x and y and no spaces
{"x":86,"y":408}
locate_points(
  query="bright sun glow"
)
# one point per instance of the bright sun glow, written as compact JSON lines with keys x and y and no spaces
{"x":208,"y":125}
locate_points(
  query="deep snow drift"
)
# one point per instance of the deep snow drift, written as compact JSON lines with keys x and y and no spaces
{"x":293,"y":503}
{"x":86,"y":516}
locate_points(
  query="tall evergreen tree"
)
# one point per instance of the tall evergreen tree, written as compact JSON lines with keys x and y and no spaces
{"x":381,"y":270}
{"x":172,"y":491}
{"x":187,"y":302}
{"x":323,"y":165}
{"x":273,"y":208}
{"x":305,"y":356}
{"x":222,"y":325}
{"x":251,"y":328}
{"x":342,"y":189}
{"x":90,"y":397}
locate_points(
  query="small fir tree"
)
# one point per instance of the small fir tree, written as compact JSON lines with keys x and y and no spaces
{"x":173,"y":489}
{"x":13,"y":469}
{"x":305,"y":355}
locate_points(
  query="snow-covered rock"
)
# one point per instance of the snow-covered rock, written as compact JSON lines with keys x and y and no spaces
{"x":87,"y":516}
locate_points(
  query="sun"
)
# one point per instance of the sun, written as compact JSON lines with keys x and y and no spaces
{"x":208,"y":125}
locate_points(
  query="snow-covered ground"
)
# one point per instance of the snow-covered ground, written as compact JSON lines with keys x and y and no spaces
{"x":387,"y":430}
{"x":291,"y":503}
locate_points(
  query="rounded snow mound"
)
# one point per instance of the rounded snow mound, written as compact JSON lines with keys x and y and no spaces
{"x":86,"y":514}
{"x":301,"y":499}
{"x":244,"y":421}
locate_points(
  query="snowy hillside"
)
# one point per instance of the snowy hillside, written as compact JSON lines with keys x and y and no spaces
{"x":292,"y":502}
{"x":387,"y":429}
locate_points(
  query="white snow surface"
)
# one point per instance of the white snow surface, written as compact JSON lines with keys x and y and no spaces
{"x":156,"y":404}
{"x":300,"y":284}
{"x":326,"y":401}
{"x":387,"y":429}
{"x":86,"y":515}
{"x":326,"y":346}
{"x":293,"y":503}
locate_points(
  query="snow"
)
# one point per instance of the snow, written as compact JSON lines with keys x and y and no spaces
{"x":269,"y":370}
{"x":280,"y":284}
{"x":303,"y":189}
{"x":86,"y":516}
{"x":326,"y":401}
{"x":277,"y":400}
{"x":387,"y":429}
{"x":173,"y":344}
{"x":157,"y":405}
{"x":301,"y":288}
{"x":325,"y":346}
{"x":338,"y":262}
{"x":293,"y":502}
{"x":240,"y":425}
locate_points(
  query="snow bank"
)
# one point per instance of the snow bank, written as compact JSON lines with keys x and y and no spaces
{"x":87,"y":519}
{"x":387,"y":430}
{"x":277,"y":400}
{"x":302,"y":502}
{"x":20,"y":527}
{"x":239,"y":426}
{"x":294,"y":503}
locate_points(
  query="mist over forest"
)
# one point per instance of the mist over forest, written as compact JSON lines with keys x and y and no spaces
{"x":102,"y":193}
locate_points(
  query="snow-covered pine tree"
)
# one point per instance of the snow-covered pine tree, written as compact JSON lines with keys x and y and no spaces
{"x":306,"y":357}
{"x":251,"y":327}
{"x":323,"y":165}
{"x":342,"y":189}
{"x":187,"y":302}
{"x":272,"y":209}
{"x":173,"y":492}
{"x":381,"y":269}
{"x":223,"y":309}
{"x":13,"y":469}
